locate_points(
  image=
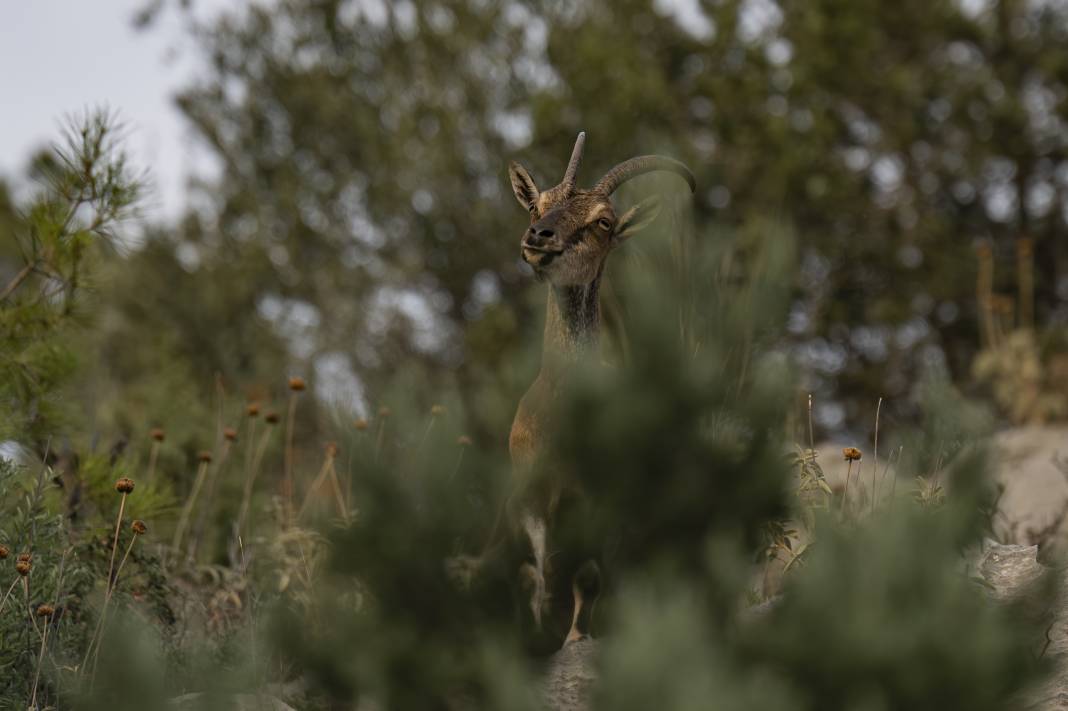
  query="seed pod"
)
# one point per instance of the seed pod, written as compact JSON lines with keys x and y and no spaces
{"x":296,"y":383}
{"x":204,"y":456}
{"x":360,"y":424}
{"x":852,"y":454}
{"x":464,"y":441}
{"x":45,"y":610}
{"x":23,"y":558}
{"x":157,"y":434}
{"x":230,"y":433}
{"x":331,"y":449}
{"x":253,"y":409}
{"x":23,"y":567}
{"x":124,"y":485}
{"x":271,"y":418}
{"x":384,"y":412}
{"x":437,"y":410}
{"x":139,"y":528}
{"x":4,"y":552}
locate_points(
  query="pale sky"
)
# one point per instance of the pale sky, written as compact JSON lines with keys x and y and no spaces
{"x":63,"y":56}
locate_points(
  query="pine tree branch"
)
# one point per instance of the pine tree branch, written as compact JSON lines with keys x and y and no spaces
{"x":17,"y":281}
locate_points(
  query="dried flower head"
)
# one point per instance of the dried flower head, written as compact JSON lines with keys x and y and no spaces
{"x":384,"y":412}
{"x":852,"y":454}
{"x":296,"y":383}
{"x":271,"y":418}
{"x":157,"y":434}
{"x":139,"y":527}
{"x":331,"y":449}
{"x":437,"y":410}
{"x":204,"y":456}
{"x":23,"y":567}
{"x":4,"y":552}
{"x":23,"y":558}
{"x":360,"y":424}
{"x":464,"y":441}
{"x":253,"y":409}
{"x":124,"y":485}
{"x":230,"y":433}
{"x":45,"y":610}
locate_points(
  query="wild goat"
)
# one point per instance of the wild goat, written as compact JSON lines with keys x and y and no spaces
{"x":572,"y":232}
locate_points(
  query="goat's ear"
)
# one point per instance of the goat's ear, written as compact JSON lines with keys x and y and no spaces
{"x":636,"y":219}
{"x":526,"y":192}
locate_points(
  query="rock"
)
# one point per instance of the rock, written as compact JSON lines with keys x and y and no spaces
{"x":1012,"y":573}
{"x":570,"y":676}
{"x":1029,"y":466}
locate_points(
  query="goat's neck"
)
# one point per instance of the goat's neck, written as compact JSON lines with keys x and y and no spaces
{"x":572,"y":324}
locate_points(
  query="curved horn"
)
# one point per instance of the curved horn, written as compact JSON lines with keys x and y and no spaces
{"x":642,"y":164}
{"x":573,"y":165}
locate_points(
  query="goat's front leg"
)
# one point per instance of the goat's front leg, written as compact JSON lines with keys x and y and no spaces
{"x":585,"y":588}
{"x":536,"y":531}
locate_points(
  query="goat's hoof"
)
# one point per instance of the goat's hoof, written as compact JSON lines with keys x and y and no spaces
{"x":575,"y":637}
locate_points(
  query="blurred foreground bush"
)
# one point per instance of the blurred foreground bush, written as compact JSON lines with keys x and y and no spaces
{"x":334,"y":592}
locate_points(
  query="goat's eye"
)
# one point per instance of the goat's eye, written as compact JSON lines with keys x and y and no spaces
{"x":604,"y":224}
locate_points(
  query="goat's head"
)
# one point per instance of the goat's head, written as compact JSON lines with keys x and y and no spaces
{"x":571,"y":230}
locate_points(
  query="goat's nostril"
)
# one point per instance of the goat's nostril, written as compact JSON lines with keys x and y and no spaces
{"x":545,"y":233}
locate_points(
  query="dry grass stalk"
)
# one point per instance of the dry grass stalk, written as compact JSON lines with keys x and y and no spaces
{"x":47,"y":611}
{"x":383,"y":415}
{"x":124,"y":486}
{"x":984,"y":292}
{"x":875,"y":457}
{"x":464,"y":442}
{"x":436,"y":411}
{"x":138,"y":529}
{"x":3,"y":603}
{"x":153,"y":458}
{"x":252,"y":469}
{"x":851,"y":454}
{"x":296,"y":386}
{"x":187,"y":509}
{"x":1025,"y":282}
{"x":229,"y":436}
{"x":327,"y":474}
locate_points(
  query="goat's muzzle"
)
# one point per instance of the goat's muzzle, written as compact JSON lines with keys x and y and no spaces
{"x":537,"y":253}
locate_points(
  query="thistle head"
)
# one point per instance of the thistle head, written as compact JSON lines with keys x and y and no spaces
{"x":138,"y":527}
{"x":852,"y":454}
{"x":124,"y":485}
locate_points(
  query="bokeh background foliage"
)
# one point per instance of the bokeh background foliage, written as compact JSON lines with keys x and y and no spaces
{"x":874,"y":180}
